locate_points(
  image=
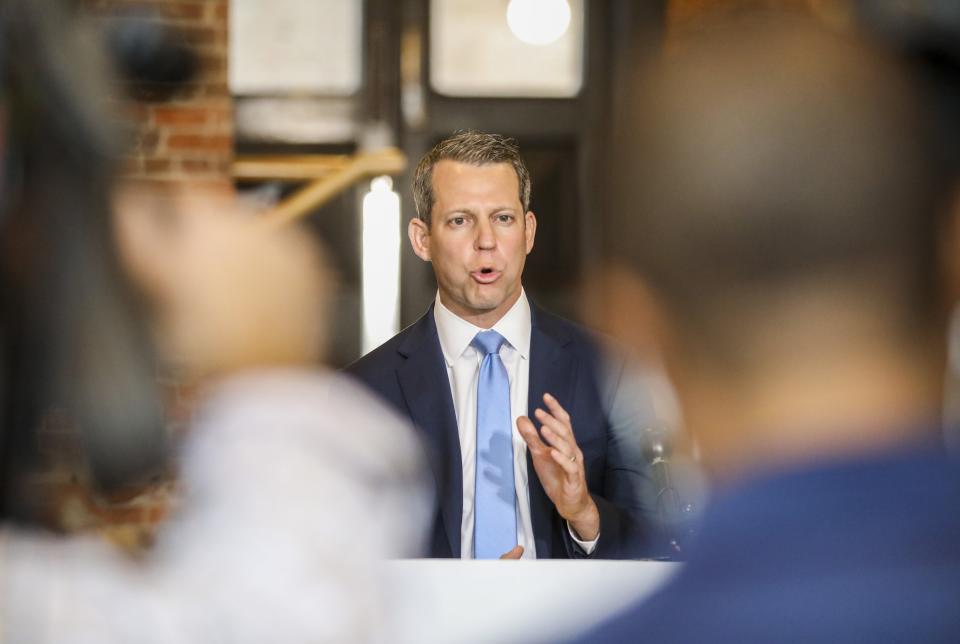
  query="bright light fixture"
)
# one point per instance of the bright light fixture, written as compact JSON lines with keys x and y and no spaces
{"x":538,"y":22}
{"x":381,"y":263}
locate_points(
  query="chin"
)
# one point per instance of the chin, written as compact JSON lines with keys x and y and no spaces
{"x":488,"y":301}
{"x":483,"y":305}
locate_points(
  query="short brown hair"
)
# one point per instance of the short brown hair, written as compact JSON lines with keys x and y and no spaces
{"x":475,"y":148}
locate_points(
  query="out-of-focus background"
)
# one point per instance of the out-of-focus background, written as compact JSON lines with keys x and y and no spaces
{"x":318,"y":110}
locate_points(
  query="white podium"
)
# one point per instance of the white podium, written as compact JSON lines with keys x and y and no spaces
{"x":447,"y":601}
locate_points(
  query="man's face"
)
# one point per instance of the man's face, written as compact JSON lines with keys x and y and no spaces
{"x":478,"y":238}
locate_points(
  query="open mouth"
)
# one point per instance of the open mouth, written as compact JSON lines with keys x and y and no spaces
{"x":485,"y":275}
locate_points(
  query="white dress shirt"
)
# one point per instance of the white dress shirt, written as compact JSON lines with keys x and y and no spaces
{"x":463,"y":369}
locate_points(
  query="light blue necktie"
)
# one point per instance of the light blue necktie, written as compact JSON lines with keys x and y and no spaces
{"x":495,"y":498}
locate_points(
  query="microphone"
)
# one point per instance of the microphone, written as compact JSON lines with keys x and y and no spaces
{"x":672,"y":513}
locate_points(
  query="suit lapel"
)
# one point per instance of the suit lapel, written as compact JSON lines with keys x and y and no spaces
{"x":552,"y":369}
{"x":426,"y":389}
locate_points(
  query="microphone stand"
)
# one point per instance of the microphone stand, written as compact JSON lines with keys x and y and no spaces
{"x":669,"y":508}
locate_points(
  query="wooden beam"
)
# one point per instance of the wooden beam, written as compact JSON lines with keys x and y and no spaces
{"x":288,"y":167}
{"x":390,"y":161}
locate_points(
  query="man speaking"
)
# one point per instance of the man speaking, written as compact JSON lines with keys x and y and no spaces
{"x":507,"y":396}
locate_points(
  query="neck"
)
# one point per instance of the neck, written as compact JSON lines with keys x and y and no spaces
{"x":481,"y":318}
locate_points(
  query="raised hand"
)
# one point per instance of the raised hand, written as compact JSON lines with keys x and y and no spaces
{"x":559,"y":465}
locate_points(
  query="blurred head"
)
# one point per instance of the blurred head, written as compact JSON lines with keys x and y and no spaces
{"x":73,"y":338}
{"x":777,"y":190}
{"x":229,"y":291}
{"x":472,"y":194}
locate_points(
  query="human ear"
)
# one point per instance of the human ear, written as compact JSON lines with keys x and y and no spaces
{"x":419,"y":233}
{"x":530,"y":229}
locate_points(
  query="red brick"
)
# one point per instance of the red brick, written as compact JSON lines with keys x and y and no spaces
{"x":195,"y":165}
{"x":215,"y":111}
{"x":180,"y":115}
{"x":191,"y":137}
{"x":199,"y":142}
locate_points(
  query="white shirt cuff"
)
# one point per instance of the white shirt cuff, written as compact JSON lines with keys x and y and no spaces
{"x":587,"y":546}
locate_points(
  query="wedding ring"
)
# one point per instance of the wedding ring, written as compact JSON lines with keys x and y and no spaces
{"x":573,"y":459}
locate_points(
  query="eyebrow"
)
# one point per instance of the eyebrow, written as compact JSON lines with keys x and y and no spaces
{"x":472,"y":212}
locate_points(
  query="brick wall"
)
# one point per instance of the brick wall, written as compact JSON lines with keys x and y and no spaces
{"x":189,"y":137}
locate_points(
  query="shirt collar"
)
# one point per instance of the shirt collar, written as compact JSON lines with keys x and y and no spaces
{"x":456,"y":334}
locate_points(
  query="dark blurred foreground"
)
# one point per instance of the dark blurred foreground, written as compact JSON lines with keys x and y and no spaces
{"x":783,"y":192}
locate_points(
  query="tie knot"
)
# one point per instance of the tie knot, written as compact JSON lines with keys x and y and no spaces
{"x":488,"y":342}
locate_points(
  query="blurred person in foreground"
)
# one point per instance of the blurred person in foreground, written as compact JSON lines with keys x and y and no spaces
{"x":778,"y":188}
{"x":295,"y":482}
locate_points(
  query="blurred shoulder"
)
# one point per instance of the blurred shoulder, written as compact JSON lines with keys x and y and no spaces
{"x":316,"y":410}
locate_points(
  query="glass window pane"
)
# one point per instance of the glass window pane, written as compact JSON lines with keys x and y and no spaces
{"x":296,"y":46}
{"x":474,"y":51}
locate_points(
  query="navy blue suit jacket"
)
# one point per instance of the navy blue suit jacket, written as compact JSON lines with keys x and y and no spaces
{"x":408,"y":372}
{"x":860,"y":551}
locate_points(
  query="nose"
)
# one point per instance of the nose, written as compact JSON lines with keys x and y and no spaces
{"x":485,"y":239}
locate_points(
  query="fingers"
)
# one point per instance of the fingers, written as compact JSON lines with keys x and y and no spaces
{"x":516,"y":553}
{"x":569,"y":465}
{"x":548,"y":420}
{"x":558,"y":418}
{"x":562,"y":452}
{"x":554,"y":406}
{"x":562,"y":444}
{"x":557,"y":430}
{"x":531,"y":436}
{"x":555,"y":440}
